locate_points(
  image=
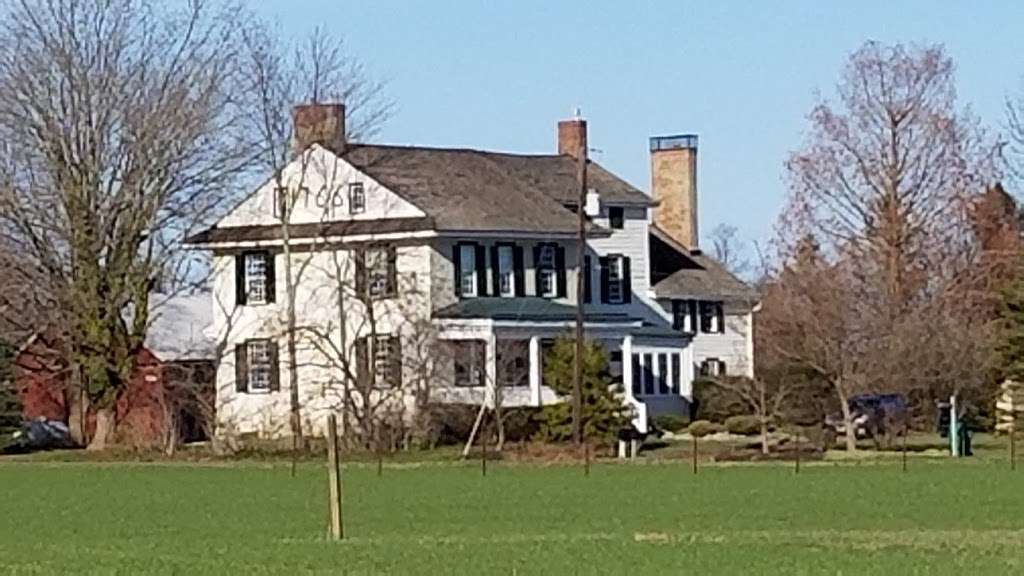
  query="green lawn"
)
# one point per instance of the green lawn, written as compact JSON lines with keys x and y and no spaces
{"x":941,"y":517}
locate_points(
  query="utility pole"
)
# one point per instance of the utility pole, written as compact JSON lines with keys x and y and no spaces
{"x":581,"y":236}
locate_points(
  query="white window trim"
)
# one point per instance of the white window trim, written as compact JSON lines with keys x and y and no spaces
{"x":353,"y":206}
{"x":547,"y":271}
{"x":467,"y":254}
{"x":506,"y":270}
{"x":616,"y":263}
{"x":251,"y":362}
{"x":251,"y":278}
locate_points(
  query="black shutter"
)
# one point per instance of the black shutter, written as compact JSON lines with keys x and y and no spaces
{"x":586,"y":280}
{"x":627,"y":281}
{"x":241,"y":369}
{"x":240,"y":279}
{"x":692,"y":309}
{"x":603,"y":261}
{"x":392,"y":287}
{"x":677,"y":319}
{"x":481,"y":270}
{"x":720,"y":313}
{"x":560,"y":271}
{"x":361,"y":273}
{"x":275,"y":368}
{"x":457,"y":263}
{"x":271,"y":278}
{"x":395,"y":361}
{"x":520,"y":273}
{"x":537,"y":291}
{"x":362,"y":362}
{"x":496,"y":272}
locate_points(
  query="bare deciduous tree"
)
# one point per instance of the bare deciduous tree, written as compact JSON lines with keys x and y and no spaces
{"x":119,"y":123}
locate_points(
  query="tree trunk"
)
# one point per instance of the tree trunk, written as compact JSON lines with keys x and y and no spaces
{"x":105,"y":428}
{"x":78,"y":407}
{"x":851,"y":431}
{"x":764,"y":436}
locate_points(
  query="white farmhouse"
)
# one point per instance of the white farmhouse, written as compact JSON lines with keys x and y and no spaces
{"x":433,"y":274}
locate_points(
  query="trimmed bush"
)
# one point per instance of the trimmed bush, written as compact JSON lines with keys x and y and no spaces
{"x":702,"y":428}
{"x":671,"y":422}
{"x":743,"y":425}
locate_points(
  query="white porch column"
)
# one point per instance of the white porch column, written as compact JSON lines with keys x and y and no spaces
{"x":627,"y":366}
{"x":491,"y":380}
{"x":535,"y":373}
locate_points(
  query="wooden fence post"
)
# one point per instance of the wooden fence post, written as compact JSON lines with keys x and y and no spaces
{"x":334,"y":478}
{"x":586,"y":458}
{"x":694,"y":451}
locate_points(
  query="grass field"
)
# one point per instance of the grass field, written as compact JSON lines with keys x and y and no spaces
{"x":940,"y":517}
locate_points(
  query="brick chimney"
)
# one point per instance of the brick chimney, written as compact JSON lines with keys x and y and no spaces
{"x":674,"y":186}
{"x":322,"y":124}
{"x":572,"y":136}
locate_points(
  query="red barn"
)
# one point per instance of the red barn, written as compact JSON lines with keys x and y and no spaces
{"x":170,"y":393}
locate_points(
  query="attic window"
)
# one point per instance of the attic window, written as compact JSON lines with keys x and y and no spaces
{"x":356,"y":198}
{"x":616,"y":217}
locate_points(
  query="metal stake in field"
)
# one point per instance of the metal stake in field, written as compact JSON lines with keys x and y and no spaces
{"x":334,"y":479}
{"x":796,"y":470}
{"x":694,"y":454}
{"x":1013,"y":446}
{"x":906,"y":432}
{"x":586,"y":459}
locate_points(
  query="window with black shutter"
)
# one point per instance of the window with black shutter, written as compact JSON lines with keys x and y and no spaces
{"x":615,"y":284}
{"x":254,"y":278}
{"x":377,"y":271}
{"x":381,"y":358}
{"x":684,"y":315}
{"x":550,"y":282}
{"x":468,"y":272}
{"x":256,"y":367}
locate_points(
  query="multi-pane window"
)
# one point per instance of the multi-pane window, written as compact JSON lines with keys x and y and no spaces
{"x":467,"y":270}
{"x":382,"y":362}
{"x":469,"y":357}
{"x":280,"y":202}
{"x":378,"y":271}
{"x":712,"y":367}
{"x":513,"y":361}
{"x":712,"y":318}
{"x":546,"y":271}
{"x":616,"y":279}
{"x":506,"y":272}
{"x":259,"y":365}
{"x":256,"y":285}
{"x":356,"y":198}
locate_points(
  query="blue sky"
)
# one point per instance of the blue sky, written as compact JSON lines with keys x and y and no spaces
{"x":742,"y":75}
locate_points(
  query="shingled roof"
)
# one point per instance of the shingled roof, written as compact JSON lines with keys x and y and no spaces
{"x":706,"y":278}
{"x":474,"y":190}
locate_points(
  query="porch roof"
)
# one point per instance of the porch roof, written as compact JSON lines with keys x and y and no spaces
{"x":526,"y":309}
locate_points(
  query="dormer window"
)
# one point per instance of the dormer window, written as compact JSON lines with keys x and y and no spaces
{"x":356,"y":198}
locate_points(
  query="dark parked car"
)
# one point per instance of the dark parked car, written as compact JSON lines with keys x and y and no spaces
{"x":40,"y":434}
{"x":881,"y":417}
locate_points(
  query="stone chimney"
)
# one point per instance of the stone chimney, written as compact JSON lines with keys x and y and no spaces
{"x":674,"y":186}
{"x":322,"y":124}
{"x":572,"y":136}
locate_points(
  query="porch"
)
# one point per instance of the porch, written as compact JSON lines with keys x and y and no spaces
{"x":496,"y":355}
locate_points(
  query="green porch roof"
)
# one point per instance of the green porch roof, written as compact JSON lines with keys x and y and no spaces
{"x":525,"y":309}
